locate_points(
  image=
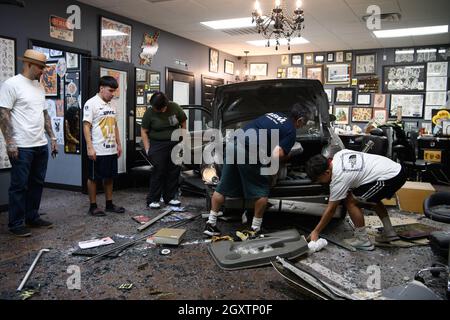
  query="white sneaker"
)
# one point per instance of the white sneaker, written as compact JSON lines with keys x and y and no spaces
{"x":174,"y":202}
{"x":360,"y":240}
{"x":154,"y":205}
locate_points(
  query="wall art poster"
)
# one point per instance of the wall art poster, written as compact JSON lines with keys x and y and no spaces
{"x":338,"y":73}
{"x":229,"y":67}
{"x":49,"y":80}
{"x":344,"y":96}
{"x":365,"y":63}
{"x":59,"y":106}
{"x":115,"y":40}
{"x":315,"y":73}
{"x":436,"y":98}
{"x":294,"y":72}
{"x":379,"y":101}
{"x":59,"y":29}
{"x":404,"y":78}
{"x":258,"y":69}
{"x":437,"y":69}
{"x":425,"y":55}
{"x":380,"y":115}
{"x":7,"y":59}
{"x":71,"y":60}
{"x":412,"y":105}
{"x":436,"y":83}
{"x":342,"y":115}
{"x":284,"y":59}
{"x":340,"y":56}
{"x":58,"y":129}
{"x":361,"y":114}
{"x":213,"y":60}
{"x":404,"y":56}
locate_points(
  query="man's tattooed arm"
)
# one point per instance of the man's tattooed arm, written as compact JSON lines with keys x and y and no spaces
{"x":7,"y":130}
{"x":48,"y":125}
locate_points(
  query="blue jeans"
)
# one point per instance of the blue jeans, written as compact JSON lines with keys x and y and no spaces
{"x":27,"y":181}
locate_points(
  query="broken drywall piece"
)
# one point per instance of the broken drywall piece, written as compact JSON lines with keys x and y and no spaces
{"x":95,"y":243}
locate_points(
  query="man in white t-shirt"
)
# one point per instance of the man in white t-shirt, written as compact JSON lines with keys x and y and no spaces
{"x":103,"y":144}
{"x":357,"y":178}
{"x":24,"y":120}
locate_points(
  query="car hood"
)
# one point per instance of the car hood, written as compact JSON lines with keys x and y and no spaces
{"x":235,"y":104}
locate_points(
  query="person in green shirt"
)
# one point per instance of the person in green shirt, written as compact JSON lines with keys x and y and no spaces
{"x":158,"y":123}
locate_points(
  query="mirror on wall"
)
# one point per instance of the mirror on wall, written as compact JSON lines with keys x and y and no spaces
{"x":147,"y":83}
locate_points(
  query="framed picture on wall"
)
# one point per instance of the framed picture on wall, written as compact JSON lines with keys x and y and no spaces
{"x":314,"y":72}
{"x":319,"y":58}
{"x":404,"y":78}
{"x":296,"y":59}
{"x":72,"y":60}
{"x":409,"y":126}
{"x":294,"y":72}
{"x":55,"y":53}
{"x":342,"y":115}
{"x":213,"y":60}
{"x":285,"y":60}
{"x":141,"y":75}
{"x":380,"y":115}
{"x":426,"y":54}
{"x":437,"y":69}
{"x":364,"y":99}
{"x":309,"y":58}
{"x":49,"y":80}
{"x":340,"y":56}
{"x":361,"y":114}
{"x":337,"y":73}
{"x":258,"y":69}
{"x":404,"y":55}
{"x":329,"y":93}
{"x":229,"y":67}
{"x":411,"y":105}
{"x":330,"y":57}
{"x":115,"y":40}
{"x":348,"y":57}
{"x":379,"y":101}
{"x":365,"y":64}
{"x":7,"y":70}
{"x":7,"y":59}
{"x":344,"y":96}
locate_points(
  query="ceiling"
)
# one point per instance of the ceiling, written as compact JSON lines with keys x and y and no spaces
{"x":329,"y":24}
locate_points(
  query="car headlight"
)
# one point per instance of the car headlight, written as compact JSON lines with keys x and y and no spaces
{"x":209,"y":175}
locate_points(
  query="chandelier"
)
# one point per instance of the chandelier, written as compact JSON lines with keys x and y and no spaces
{"x":279,"y":24}
{"x":246,"y":73}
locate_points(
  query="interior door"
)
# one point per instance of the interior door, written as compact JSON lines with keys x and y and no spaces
{"x":209,"y":85}
{"x":180,"y":86}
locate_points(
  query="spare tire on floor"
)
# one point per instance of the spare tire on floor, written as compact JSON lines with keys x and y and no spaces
{"x":437,"y":207}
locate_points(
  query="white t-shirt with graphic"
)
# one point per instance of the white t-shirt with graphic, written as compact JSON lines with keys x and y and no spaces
{"x":26,"y":100}
{"x":352,"y":169}
{"x":102,"y":116}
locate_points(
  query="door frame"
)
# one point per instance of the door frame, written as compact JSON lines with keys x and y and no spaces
{"x":169,"y":85}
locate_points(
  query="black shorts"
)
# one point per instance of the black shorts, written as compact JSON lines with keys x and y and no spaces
{"x":104,"y":167}
{"x":381,"y":189}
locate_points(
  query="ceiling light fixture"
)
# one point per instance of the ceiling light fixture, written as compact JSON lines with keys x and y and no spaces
{"x":229,"y":23}
{"x":408,"y":32}
{"x":284,"y":26}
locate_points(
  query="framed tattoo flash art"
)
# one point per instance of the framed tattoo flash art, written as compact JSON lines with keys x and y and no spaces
{"x":344,"y":96}
{"x":213,"y":60}
{"x":361,"y":114}
{"x":380,"y":115}
{"x":258,"y":69}
{"x":337,"y":73}
{"x":49,"y":80}
{"x":404,"y":78}
{"x":228,"y":67}
{"x":314,"y":72}
{"x":7,"y":58}
{"x":342,"y":115}
{"x":296,"y":59}
{"x":364,"y":99}
{"x":411,"y":105}
{"x":365,"y":64}
{"x":115,"y":40}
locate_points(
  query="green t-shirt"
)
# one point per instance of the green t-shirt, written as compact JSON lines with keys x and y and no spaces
{"x":160,"y":125}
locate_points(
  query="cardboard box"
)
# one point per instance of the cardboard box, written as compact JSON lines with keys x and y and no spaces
{"x":412,"y":195}
{"x":392,"y":202}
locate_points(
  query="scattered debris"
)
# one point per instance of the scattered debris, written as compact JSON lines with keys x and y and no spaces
{"x":315,"y":246}
{"x":158,"y":217}
{"x":31,"y":269}
{"x":95,"y":243}
{"x":165,"y":252}
{"x":221,"y":238}
{"x":27,"y":294}
{"x":141,"y":219}
{"x":125,"y":286}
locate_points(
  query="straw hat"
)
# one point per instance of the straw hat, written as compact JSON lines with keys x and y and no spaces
{"x":33,"y":56}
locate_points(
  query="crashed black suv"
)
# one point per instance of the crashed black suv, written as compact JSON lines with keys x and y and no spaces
{"x":236,"y":104}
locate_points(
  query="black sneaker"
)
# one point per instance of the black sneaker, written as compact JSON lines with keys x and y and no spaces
{"x":115,"y":209}
{"x":20,"y":232}
{"x":39,"y":223}
{"x":211,"y":230}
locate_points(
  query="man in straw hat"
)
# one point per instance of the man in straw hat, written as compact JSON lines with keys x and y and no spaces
{"x":24,"y":120}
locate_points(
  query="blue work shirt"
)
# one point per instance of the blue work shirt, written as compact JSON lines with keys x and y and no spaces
{"x":275,"y":121}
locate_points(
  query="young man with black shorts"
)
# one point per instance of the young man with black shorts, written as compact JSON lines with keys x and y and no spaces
{"x":357,"y":178}
{"x":103,"y":144}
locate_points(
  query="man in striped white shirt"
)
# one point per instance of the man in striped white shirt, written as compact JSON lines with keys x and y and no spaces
{"x":357,"y":177}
